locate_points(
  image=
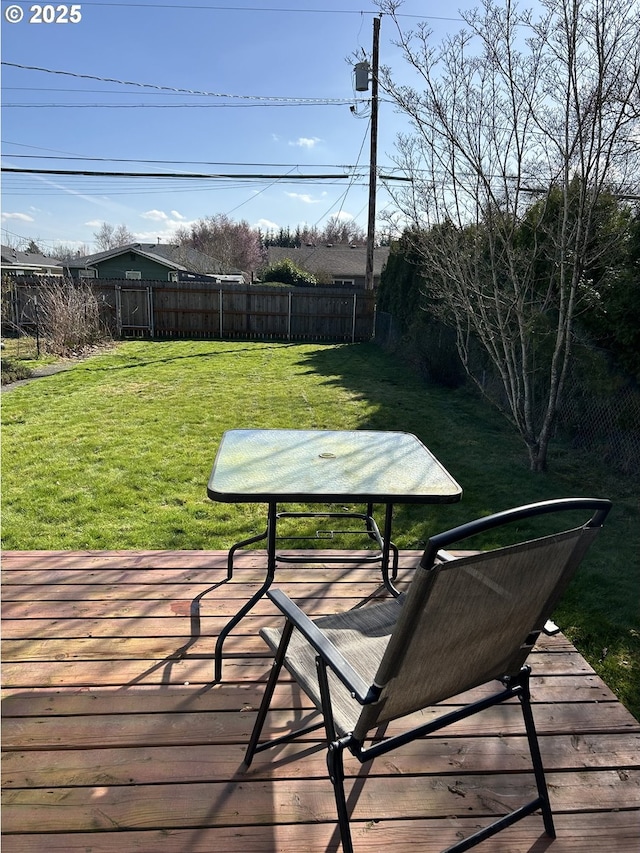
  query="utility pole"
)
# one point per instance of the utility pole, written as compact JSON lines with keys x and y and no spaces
{"x":362,"y":86}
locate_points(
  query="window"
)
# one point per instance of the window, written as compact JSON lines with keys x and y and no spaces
{"x":87,"y":274}
{"x":135,"y":274}
{"x":344,"y":282}
{"x":173,"y":276}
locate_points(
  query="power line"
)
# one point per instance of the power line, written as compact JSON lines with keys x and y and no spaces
{"x":56,"y":154}
{"x":345,"y":166}
{"x":75,"y":91}
{"x":174,"y":162}
{"x":209,"y":189}
{"x":247,"y":200}
{"x":173,"y":89}
{"x":175,"y":175}
{"x":73,"y":106}
{"x":121,"y":93}
{"x":343,"y":197}
{"x":274,"y":9}
{"x":16,"y":170}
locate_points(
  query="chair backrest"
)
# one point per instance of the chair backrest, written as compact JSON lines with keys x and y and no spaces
{"x":471,"y":619}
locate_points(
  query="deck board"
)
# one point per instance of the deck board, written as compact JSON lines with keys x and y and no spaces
{"x":115,"y":739}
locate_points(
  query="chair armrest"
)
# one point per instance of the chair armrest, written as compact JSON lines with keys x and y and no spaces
{"x":359,"y":688}
{"x":599,"y":507}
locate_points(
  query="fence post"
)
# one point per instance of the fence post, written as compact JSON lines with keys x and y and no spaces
{"x":118,"y":294}
{"x":35,"y":306}
{"x":15,"y":307}
{"x":353,"y":322}
{"x":289,"y":317}
{"x":150,"y":303}
{"x":220,"y":310}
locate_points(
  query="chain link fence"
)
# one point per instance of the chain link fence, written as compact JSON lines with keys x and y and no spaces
{"x":603,"y":423}
{"x":600,"y":409}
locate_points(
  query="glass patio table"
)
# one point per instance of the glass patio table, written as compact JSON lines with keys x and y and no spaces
{"x":320,"y":467}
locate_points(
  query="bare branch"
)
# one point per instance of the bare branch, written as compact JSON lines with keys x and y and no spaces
{"x":522,"y":129}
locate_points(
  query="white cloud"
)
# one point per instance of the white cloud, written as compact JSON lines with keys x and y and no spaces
{"x":266,"y":224}
{"x":305,"y":142}
{"x":168,"y":224}
{"x":94,"y":223}
{"x":173,"y":218}
{"x":21,"y":217}
{"x":304,"y":197}
{"x":155,"y":215}
{"x":161,"y":235}
{"x":164,"y":233}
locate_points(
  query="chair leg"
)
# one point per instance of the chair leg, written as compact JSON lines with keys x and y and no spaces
{"x":335,"y":751}
{"x":335,"y":765}
{"x":268,"y":694}
{"x":536,"y":758}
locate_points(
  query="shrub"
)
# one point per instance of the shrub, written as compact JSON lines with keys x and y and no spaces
{"x":69,"y":317}
{"x":286,"y":272}
{"x":12,"y":370}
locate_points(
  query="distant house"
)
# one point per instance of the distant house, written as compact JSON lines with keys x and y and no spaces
{"x":341,"y":265}
{"x":153,"y":262}
{"x":29,"y":263}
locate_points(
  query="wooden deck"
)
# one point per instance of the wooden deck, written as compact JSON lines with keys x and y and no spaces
{"x":116,"y":741}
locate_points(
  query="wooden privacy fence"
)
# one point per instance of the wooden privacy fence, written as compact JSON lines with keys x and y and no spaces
{"x":202,"y":310}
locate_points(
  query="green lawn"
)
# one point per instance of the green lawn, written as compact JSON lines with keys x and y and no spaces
{"x":116,"y":453}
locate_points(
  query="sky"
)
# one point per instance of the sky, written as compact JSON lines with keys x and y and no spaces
{"x":248,"y":88}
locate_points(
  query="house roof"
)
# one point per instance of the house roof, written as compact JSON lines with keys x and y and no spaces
{"x":172,"y":256}
{"x":27,"y":260}
{"x":346,"y":261}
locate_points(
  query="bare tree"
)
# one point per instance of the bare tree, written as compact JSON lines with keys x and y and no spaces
{"x":520,"y":127}
{"x":69,"y":251}
{"x":343,"y":231}
{"x":234,"y":244}
{"x":112,"y":236}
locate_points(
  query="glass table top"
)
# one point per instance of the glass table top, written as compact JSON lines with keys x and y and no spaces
{"x":327,"y":465}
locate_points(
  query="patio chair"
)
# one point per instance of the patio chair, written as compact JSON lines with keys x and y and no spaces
{"x":463,"y":621}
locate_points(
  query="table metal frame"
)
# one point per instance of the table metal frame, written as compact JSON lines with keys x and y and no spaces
{"x":386,"y":555}
{"x":370,"y":529}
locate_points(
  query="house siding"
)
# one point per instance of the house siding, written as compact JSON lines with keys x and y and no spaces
{"x":118,"y":266}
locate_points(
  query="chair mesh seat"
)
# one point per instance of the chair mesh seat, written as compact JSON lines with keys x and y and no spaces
{"x":361,"y":635}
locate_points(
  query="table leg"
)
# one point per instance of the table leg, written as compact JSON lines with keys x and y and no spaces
{"x":371,"y":525}
{"x":387,"y":546}
{"x":270,"y":535}
{"x":241,"y":544}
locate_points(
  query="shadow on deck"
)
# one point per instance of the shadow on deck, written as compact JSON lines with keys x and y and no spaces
{"x":116,"y":740}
